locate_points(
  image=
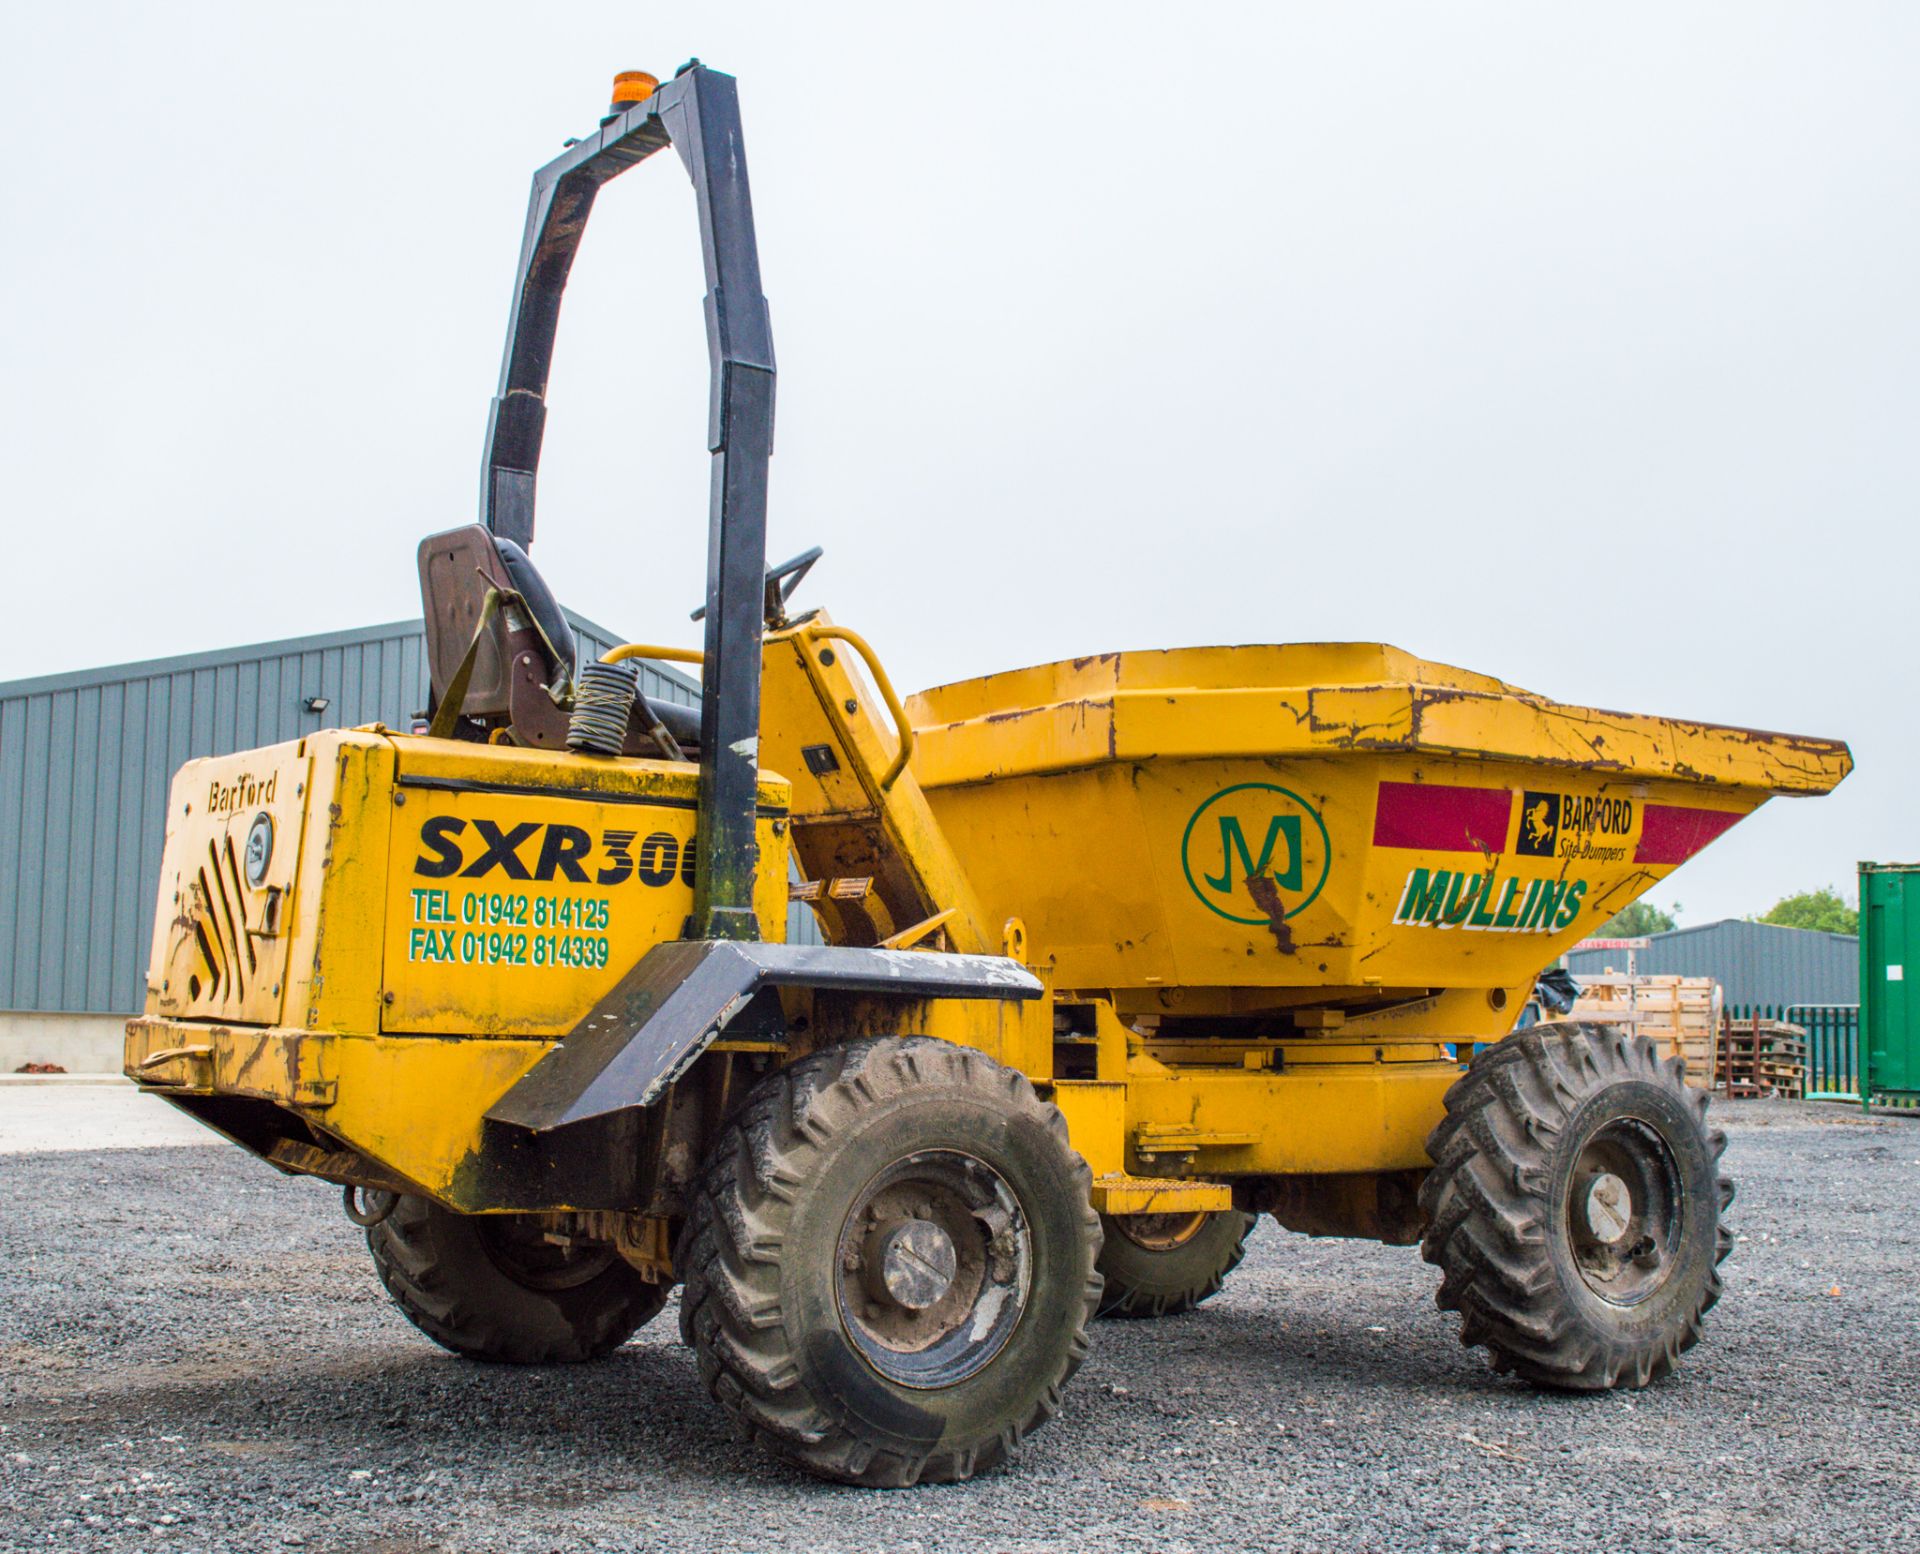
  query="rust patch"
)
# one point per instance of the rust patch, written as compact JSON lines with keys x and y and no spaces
{"x":1266,"y":896}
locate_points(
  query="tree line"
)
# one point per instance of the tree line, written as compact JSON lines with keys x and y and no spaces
{"x":1822,"y":911}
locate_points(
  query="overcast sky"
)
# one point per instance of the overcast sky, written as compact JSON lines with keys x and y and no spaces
{"x":1571,"y":344}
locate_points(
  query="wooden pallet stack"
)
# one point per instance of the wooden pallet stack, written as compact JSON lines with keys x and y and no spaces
{"x":1761,"y":1057}
{"x":1680,"y":1014}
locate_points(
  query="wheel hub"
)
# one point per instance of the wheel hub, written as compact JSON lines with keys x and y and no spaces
{"x":519,"y":1247}
{"x":1609,"y":1208}
{"x":1624,"y":1212}
{"x":916,"y":1264}
{"x":1160,"y":1232}
{"x":935,"y":1260}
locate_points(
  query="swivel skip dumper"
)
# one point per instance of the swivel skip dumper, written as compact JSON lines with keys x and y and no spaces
{"x":1120,"y":953}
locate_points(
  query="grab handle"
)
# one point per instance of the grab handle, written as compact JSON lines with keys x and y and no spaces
{"x":671,"y":655}
{"x":902,"y":728}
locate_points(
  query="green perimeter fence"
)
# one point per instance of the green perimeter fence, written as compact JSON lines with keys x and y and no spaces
{"x":1836,"y":1069}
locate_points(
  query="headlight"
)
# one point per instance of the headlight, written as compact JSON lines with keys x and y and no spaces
{"x":259,"y":849}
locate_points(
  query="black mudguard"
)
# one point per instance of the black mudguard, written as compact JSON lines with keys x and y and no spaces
{"x":680,"y":997}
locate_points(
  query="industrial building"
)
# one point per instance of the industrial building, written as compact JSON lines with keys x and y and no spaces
{"x":85,"y":763}
{"x":1758,"y":965}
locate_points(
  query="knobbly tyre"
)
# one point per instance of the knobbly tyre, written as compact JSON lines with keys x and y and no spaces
{"x":1121,"y":953}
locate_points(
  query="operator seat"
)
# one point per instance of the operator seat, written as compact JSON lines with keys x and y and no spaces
{"x":525,"y":654}
{"x":457,"y":571}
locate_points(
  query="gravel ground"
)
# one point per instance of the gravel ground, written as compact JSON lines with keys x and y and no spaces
{"x":194,"y":1355}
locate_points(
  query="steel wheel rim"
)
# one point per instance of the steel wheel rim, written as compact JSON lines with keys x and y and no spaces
{"x":1161,"y":1232}
{"x":1624,"y":1211}
{"x":520,"y":1250}
{"x":934,"y":1265}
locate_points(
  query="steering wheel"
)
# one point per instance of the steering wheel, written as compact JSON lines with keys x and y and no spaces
{"x":781,"y":582}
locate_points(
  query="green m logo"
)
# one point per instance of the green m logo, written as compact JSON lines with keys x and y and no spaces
{"x":1219,"y":858}
{"x":1233,"y":847}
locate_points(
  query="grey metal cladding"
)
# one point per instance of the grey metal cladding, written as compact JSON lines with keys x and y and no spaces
{"x":1755,"y":963}
{"x":86,"y":759}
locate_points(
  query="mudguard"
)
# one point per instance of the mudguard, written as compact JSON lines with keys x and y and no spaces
{"x":680,"y":997}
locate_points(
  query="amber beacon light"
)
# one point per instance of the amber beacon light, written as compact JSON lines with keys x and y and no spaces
{"x":632,"y":86}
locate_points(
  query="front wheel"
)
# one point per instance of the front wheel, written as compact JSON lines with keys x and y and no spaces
{"x":1157,"y":1265}
{"x":890,"y":1263}
{"x":1574,"y":1207}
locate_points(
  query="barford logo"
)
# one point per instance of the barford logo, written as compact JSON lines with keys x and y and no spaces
{"x":243,"y":792}
{"x":1539,"y":825}
{"x":1256,"y":853}
{"x":1571,"y":825}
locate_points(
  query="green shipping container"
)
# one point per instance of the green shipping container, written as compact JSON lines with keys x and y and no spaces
{"x":1889,"y":972}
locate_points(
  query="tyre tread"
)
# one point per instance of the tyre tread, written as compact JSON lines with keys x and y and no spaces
{"x":1486,"y":1233}
{"x":448,"y":1309}
{"x":730,"y":1308}
{"x":1190,"y":1286}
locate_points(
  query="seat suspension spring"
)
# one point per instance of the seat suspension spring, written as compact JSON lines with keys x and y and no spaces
{"x":603,"y":696}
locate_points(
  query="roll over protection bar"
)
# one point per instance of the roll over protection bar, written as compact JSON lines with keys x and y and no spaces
{"x":698,"y":114}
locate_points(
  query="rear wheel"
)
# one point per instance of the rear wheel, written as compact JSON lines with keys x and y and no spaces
{"x":1574,"y":1207}
{"x":492,"y":1287}
{"x":1156,"y":1265}
{"x":890,"y":1264}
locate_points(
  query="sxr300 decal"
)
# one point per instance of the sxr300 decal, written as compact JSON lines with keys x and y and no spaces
{"x":453,"y":847}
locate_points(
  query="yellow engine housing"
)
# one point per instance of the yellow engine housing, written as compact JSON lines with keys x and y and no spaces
{"x":430,"y":918}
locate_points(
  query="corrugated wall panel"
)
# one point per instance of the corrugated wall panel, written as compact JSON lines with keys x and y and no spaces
{"x":86,"y":761}
{"x":183,"y":690}
{"x":197,"y":730}
{"x":247,"y":705}
{"x":123,"y":946}
{"x":226,"y":708}
{"x":1755,"y":963}
{"x":262,"y":723}
{"x":413,"y":671}
{"x":55,"y":829}
{"x":105,"y":807}
{"x":82,"y":831}
{"x":352,"y":660}
{"x":13,"y":839}
{"x":156,"y":778}
{"x":802,"y":926}
{"x":32,"y":829}
{"x":393,"y":690}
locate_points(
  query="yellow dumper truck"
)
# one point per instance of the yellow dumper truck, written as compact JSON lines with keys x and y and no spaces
{"x":1119,"y":954}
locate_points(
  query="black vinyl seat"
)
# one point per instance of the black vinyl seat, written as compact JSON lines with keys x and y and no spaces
{"x":547,"y":614}
{"x":524,"y":661}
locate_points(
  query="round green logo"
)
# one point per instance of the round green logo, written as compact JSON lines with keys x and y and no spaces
{"x":1254,"y":846}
